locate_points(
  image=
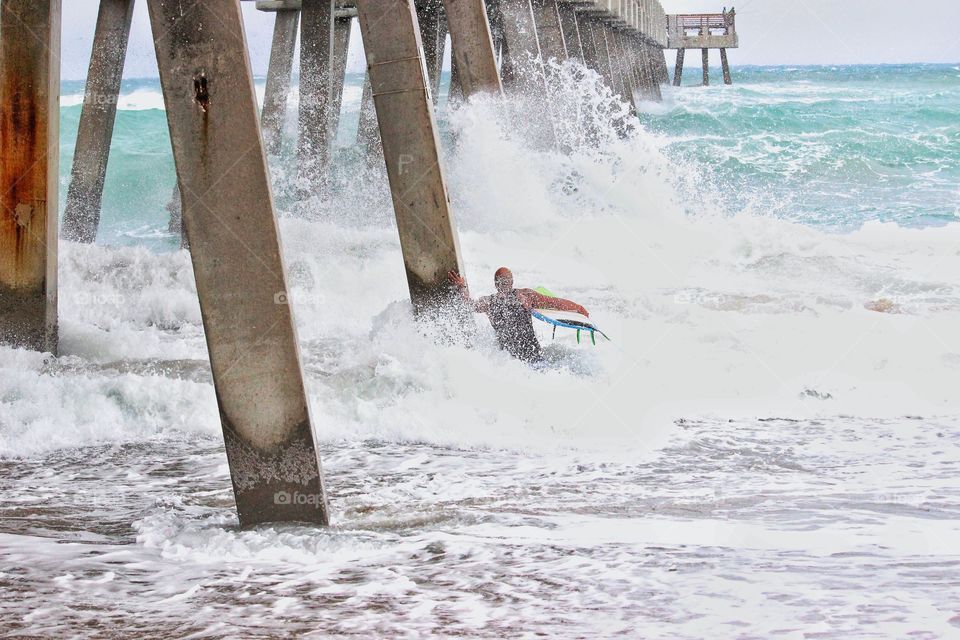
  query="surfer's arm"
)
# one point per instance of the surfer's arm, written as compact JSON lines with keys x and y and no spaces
{"x":481,"y":305}
{"x":539,"y":301}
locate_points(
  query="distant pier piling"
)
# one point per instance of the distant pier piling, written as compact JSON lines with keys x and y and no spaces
{"x":473,"y":48}
{"x":81,"y":218}
{"x":274,"y":112}
{"x":703,"y":31}
{"x":29,"y":142}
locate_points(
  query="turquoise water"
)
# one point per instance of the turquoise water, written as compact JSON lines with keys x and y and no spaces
{"x":826,"y":146}
{"x":835,"y":146}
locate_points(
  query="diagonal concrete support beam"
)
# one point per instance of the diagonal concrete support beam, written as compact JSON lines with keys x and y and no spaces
{"x":571,"y":31}
{"x":235,"y":248}
{"x":278,"y":79}
{"x":473,"y":49}
{"x":316,"y":65}
{"x":411,"y":150}
{"x":29,"y":150}
{"x":549,"y":30}
{"x":433,"y":34}
{"x":520,"y":68}
{"x":82,"y":216}
{"x":338,"y":70}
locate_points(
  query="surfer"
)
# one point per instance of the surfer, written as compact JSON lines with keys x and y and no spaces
{"x":509,"y":311}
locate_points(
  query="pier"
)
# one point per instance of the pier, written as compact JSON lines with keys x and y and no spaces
{"x":221,"y":141}
{"x":703,"y":31}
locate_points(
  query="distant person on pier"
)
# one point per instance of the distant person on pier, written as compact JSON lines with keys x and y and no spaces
{"x":509,"y":312}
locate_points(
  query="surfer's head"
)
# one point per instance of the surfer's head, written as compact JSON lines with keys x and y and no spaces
{"x":503,"y":279}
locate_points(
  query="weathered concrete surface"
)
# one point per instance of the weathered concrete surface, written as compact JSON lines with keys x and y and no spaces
{"x":316,"y":63}
{"x":81,"y":218}
{"x":338,"y":70}
{"x":228,"y":214}
{"x":705,"y":61}
{"x":408,"y":133}
{"x":571,"y":31}
{"x":549,"y":31}
{"x":601,"y":65}
{"x":521,"y":48}
{"x":29,"y":144}
{"x":725,"y":64}
{"x":655,"y":62}
{"x":473,"y":50}
{"x":278,"y":79}
{"x":620,"y":61}
{"x":678,"y":68}
{"x":433,"y":35}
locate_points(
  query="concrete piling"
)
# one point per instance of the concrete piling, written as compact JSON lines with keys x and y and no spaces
{"x":521,"y":46}
{"x":726,"y":66}
{"x":316,"y":66}
{"x":571,"y":31}
{"x":81,"y":218}
{"x":705,"y":55}
{"x":546,"y":17}
{"x":338,"y":68}
{"x":278,"y":79}
{"x":473,"y":52}
{"x":228,"y":215}
{"x":29,"y":140}
{"x":678,"y":69}
{"x":433,"y":35}
{"x":408,"y":133}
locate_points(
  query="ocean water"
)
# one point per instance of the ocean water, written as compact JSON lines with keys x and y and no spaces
{"x":768,"y":447}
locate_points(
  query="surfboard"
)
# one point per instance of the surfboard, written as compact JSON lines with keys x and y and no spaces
{"x":565,"y":319}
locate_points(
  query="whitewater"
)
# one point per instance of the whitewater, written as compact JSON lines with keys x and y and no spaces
{"x":768,"y":447}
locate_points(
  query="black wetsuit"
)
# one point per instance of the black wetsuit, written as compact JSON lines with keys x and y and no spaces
{"x":513,"y":325}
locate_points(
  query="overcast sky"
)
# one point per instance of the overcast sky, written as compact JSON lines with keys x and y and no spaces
{"x":771,"y":32}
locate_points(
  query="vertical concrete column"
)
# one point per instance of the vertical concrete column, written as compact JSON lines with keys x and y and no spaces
{"x":571,"y":31}
{"x":408,"y":132}
{"x":726,"y":67}
{"x":651,"y":70}
{"x":228,"y":214}
{"x":433,"y":35}
{"x":82,"y":216}
{"x":549,"y":30}
{"x":520,"y":68}
{"x":278,"y":79}
{"x":662,"y":61}
{"x":621,"y":84}
{"x":316,"y":64}
{"x":604,"y":68}
{"x":338,"y":69}
{"x":587,"y":45}
{"x":678,"y":69}
{"x":705,"y":55}
{"x":472,"y":43}
{"x":29,"y":145}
